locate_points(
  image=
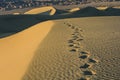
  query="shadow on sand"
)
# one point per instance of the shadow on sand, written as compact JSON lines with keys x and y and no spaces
{"x":16,"y":23}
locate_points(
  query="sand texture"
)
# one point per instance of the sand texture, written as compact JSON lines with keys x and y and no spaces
{"x":78,"y":49}
{"x":78,"y":46}
{"x":16,"y":51}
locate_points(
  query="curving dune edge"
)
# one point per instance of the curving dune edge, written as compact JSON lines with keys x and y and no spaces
{"x":17,"y":50}
{"x":41,"y":10}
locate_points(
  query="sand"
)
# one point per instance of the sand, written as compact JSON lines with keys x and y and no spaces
{"x":85,"y":48}
{"x":74,"y":9}
{"x":116,"y":7}
{"x":78,"y":49}
{"x":101,"y":8}
{"x":16,"y":13}
{"x":16,"y":51}
{"x":41,"y":10}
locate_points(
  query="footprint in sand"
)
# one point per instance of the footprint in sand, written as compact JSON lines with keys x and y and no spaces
{"x":81,"y":39}
{"x":84,"y":56}
{"x":89,"y":72}
{"x":72,"y":27}
{"x":71,"y":45}
{"x":84,"y":78}
{"x":70,"y":41}
{"x":86,"y":65}
{"x":74,"y":50}
{"x":85,"y":52}
{"x":75,"y":37}
{"x":93,"y":60}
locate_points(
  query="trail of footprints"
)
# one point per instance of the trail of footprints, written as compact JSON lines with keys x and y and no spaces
{"x":75,"y":46}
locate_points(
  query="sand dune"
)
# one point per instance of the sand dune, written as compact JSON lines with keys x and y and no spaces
{"x":117,"y":7}
{"x":16,"y":13}
{"x":78,"y":49}
{"x":17,"y":50}
{"x":74,"y":9}
{"x":101,"y":8}
{"x":75,"y":48}
{"x":41,"y":10}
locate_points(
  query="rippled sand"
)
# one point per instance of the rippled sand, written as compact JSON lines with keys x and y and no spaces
{"x":78,"y":49}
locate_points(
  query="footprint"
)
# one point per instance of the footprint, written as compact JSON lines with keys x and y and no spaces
{"x":73,"y":50}
{"x":85,"y":52}
{"x":81,"y":30}
{"x":84,"y":78}
{"x":90,"y":72}
{"x":77,"y":29}
{"x":71,"y":45}
{"x":84,"y":56}
{"x":69,"y":25}
{"x":70,"y":41}
{"x":75,"y":37}
{"x":73,"y":27}
{"x":81,"y":39}
{"x":93,"y":60}
{"x":86,"y":65}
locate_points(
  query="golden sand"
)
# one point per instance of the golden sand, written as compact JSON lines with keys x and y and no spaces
{"x":117,"y":7}
{"x":102,"y":8}
{"x":17,"y":50}
{"x":58,"y":59}
{"x":16,"y":13}
{"x":41,"y":10}
{"x":74,"y":9}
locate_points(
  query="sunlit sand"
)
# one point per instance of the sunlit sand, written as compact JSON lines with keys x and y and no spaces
{"x":74,"y":9}
{"x":101,"y":8}
{"x":41,"y":10}
{"x":17,"y":50}
{"x":82,"y":48}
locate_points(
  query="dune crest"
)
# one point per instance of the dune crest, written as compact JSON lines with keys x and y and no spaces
{"x":16,"y":51}
{"x":74,"y":9}
{"x":102,"y":8}
{"x":117,"y":7}
{"x":41,"y":10}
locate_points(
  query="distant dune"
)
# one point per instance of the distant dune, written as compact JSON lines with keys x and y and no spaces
{"x":102,"y":8}
{"x":41,"y":10}
{"x":17,"y":50}
{"x":74,"y":9}
{"x":16,"y":13}
{"x":117,"y":7}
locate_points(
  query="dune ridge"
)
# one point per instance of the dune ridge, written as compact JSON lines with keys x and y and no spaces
{"x":41,"y":10}
{"x":74,"y":9}
{"x":17,"y":50}
{"x":102,"y":8}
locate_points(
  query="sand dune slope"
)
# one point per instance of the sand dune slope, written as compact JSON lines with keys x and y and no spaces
{"x":79,"y":49}
{"x":16,"y":51}
{"x":41,"y":10}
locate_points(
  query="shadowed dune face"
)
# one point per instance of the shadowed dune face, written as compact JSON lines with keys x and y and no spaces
{"x":88,"y":11}
{"x":41,"y":10}
{"x":17,"y":50}
{"x":20,"y":22}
